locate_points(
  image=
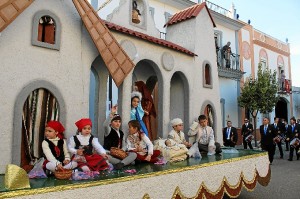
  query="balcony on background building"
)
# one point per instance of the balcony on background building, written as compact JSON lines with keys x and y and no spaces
{"x":229,"y":68}
{"x":218,"y":9}
{"x":284,"y":86}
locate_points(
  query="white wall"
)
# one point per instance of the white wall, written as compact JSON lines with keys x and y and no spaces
{"x":67,"y":69}
{"x":228,"y":91}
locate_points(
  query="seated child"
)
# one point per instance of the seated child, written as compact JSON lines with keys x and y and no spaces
{"x":84,"y":144}
{"x":139,"y":143}
{"x":176,"y":134}
{"x":55,"y":148}
{"x":137,"y":112}
{"x":205,"y":137}
{"x":114,"y":137}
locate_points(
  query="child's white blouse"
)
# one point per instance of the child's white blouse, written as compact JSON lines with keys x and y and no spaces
{"x":84,"y":140}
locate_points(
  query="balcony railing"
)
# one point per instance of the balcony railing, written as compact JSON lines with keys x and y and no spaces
{"x":218,"y":9}
{"x":232,"y":61}
{"x":284,"y":86}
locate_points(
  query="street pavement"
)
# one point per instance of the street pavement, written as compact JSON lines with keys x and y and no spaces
{"x":285,"y":180}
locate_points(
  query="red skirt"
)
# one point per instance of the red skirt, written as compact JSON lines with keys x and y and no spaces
{"x":95,"y":162}
{"x":154,"y":158}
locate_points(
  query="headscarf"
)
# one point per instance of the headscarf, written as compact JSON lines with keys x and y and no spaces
{"x":82,"y":123}
{"x":146,"y":95}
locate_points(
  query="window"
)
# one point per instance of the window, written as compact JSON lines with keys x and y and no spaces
{"x":263,"y":57}
{"x":207,"y":74}
{"x":167,"y":16}
{"x":46,"y":30}
{"x":263,"y":63}
{"x":207,"y":81}
{"x":151,"y":10}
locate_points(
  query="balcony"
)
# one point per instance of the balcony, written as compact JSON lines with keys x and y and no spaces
{"x":284,"y":86}
{"x":229,"y":68}
{"x":218,"y":9}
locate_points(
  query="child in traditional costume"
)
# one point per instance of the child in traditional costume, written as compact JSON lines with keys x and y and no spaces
{"x":114,"y":137}
{"x":139,"y":143}
{"x":85,"y":144}
{"x":137,"y":112}
{"x":55,"y":148}
{"x":176,"y":134}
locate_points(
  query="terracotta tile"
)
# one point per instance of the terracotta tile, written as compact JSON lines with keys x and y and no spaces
{"x":101,"y":45}
{"x":9,"y":12}
{"x":94,"y":33}
{"x":3,"y":2}
{"x":2,"y":23}
{"x":188,"y":13}
{"x":101,"y":29}
{"x":113,"y":66}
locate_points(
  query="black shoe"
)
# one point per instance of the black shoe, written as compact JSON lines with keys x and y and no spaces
{"x":118,"y":166}
{"x":281,"y":157}
{"x":290,"y":159}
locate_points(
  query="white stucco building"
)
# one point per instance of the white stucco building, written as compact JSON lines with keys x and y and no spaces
{"x":56,"y":59}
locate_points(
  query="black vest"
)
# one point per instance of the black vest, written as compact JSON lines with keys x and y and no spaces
{"x":112,"y":140}
{"x":88,"y":149}
{"x":60,"y":145}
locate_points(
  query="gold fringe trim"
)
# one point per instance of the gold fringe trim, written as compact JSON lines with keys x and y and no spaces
{"x":231,"y":190}
{"x":25,"y":192}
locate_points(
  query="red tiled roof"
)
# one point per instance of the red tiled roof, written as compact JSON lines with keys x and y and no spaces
{"x":189,"y":13}
{"x":149,"y":38}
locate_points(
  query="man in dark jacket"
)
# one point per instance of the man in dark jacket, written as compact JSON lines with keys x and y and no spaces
{"x":230,"y":136}
{"x":267,"y":134}
{"x":247,"y":129}
{"x":293,"y":133}
{"x":277,"y":126}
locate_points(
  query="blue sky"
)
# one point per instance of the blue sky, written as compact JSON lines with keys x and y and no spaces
{"x":280,"y":19}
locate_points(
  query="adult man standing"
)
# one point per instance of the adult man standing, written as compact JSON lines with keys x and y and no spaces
{"x":247,"y":129}
{"x":226,"y":52}
{"x":293,"y":132}
{"x":277,"y":129}
{"x":267,"y":134}
{"x":230,"y":136}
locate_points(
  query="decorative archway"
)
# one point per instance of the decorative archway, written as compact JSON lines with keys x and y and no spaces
{"x":103,"y":94}
{"x":281,"y":109}
{"x":34,"y":106}
{"x":209,"y":110}
{"x":148,"y":72}
{"x":179,"y":98}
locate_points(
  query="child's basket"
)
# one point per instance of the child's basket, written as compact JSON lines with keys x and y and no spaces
{"x":63,"y":174}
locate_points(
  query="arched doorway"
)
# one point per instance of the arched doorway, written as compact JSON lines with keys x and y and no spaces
{"x":148,"y":72}
{"x":40,"y":107}
{"x":179,"y":95}
{"x":103,"y":94}
{"x":208,"y":111}
{"x":281,"y":109}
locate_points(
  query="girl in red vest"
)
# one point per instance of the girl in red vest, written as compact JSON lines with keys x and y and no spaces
{"x":55,"y":148}
{"x":84,"y":144}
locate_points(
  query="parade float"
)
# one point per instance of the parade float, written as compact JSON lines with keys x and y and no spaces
{"x":52,"y":51}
